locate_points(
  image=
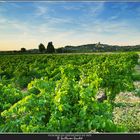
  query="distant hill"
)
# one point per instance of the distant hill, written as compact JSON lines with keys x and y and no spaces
{"x":97,"y":48}
{"x":88,"y":48}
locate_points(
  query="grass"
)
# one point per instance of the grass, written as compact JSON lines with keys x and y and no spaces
{"x":127,"y":111}
{"x":127,"y":105}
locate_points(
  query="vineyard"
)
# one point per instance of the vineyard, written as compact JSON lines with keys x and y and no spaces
{"x":66,"y":93}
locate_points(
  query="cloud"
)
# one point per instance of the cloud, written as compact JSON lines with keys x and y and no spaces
{"x":95,"y":8}
{"x":57,"y":20}
{"x":114,"y":17}
{"x":41,"y":10}
{"x":73,"y":6}
{"x":83,"y":26}
{"x":100,"y":26}
{"x":2,"y":21}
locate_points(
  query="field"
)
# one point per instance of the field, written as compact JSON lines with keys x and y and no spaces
{"x":70,"y":93}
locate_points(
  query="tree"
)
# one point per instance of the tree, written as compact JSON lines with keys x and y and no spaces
{"x":59,"y":50}
{"x":50,"y":48}
{"x":41,"y":47}
{"x":23,"y":50}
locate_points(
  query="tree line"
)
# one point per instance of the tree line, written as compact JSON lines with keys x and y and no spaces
{"x":87,"y":48}
{"x":41,"y":47}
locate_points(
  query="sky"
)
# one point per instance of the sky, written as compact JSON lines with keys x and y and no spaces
{"x":27,"y":24}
